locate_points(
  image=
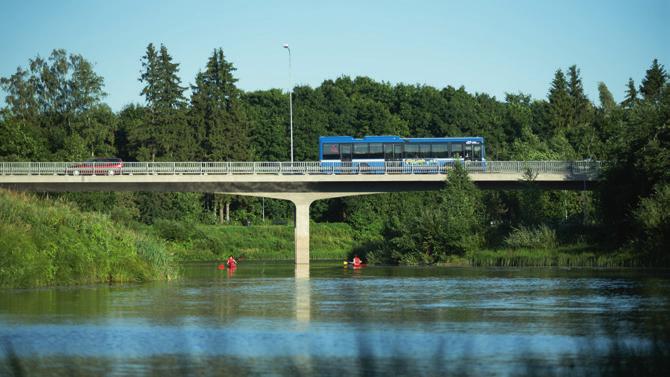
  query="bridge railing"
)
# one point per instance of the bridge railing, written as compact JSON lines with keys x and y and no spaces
{"x":588,"y":169}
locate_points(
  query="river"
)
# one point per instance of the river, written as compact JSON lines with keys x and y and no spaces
{"x":269,"y":319}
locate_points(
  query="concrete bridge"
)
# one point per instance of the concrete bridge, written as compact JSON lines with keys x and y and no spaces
{"x":300,"y":182}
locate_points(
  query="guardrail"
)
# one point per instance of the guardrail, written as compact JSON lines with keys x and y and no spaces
{"x":588,"y":169}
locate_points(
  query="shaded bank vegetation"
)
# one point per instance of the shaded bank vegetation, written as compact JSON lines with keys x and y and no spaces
{"x":55,"y":111}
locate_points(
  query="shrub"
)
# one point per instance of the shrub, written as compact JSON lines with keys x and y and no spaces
{"x":542,"y":237}
{"x":177,"y":230}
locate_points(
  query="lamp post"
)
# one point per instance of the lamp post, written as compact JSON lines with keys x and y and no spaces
{"x":290,"y":99}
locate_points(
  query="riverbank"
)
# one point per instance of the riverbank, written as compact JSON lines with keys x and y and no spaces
{"x":46,"y":243}
{"x":261,"y":242}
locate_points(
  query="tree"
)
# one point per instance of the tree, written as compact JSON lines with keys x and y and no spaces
{"x":631,"y":95}
{"x":165,"y":133}
{"x":55,"y":102}
{"x":560,"y":104}
{"x":266,"y":112}
{"x":217,"y":114}
{"x":580,"y":103}
{"x":461,"y":208}
{"x":653,"y":219}
{"x":607,"y":103}
{"x":429,"y":232}
{"x":654,"y":82}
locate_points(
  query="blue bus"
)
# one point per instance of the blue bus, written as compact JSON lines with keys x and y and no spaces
{"x":377,"y":154}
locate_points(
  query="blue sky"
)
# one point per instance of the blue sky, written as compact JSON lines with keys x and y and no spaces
{"x":492,"y":46}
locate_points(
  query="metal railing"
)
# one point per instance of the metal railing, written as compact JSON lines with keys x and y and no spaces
{"x":579,"y":169}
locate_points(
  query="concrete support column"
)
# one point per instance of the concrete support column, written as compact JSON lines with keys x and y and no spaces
{"x":302,"y":230}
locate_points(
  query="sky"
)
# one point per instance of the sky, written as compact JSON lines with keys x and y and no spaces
{"x":493,"y":47}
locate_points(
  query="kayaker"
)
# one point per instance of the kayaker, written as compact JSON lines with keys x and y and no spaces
{"x":357,"y":261}
{"x":232,"y":263}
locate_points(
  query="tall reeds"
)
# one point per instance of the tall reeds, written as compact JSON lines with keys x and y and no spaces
{"x":551,"y":258}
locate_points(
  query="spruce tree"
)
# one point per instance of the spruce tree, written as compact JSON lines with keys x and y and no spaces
{"x":631,"y":95}
{"x":654,"y":82}
{"x":560,"y":104}
{"x":166,"y":134}
{"x":219,"y":120}
{"x":580,"y":104}
{"x":217,"y":114}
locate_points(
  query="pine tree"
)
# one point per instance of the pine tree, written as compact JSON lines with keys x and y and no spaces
{"x":654,"y":82}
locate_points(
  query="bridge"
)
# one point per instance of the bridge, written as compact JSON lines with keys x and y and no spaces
{"x":299,"y":182}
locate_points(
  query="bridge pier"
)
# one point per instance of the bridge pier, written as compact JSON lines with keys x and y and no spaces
{"x":302,"y":201}
{"x":302,"y":230}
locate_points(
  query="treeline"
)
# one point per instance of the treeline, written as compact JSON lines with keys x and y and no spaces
{"x":55,"y":111}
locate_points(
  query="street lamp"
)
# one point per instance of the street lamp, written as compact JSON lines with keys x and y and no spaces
{"x":290,"y":98}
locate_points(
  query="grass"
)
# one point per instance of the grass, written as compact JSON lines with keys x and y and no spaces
{"x":263,"y":242}
{"x":45,"y":243}
{"x":575,"y":256}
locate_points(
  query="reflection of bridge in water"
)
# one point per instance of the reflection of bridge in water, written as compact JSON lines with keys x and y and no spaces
{"x":300,"y":182}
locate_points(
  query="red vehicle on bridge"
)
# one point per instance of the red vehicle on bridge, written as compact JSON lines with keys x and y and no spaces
{"x":96,"y":166}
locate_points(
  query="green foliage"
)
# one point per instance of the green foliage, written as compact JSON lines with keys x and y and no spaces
{"x":177,"y":230}
{"x":653,"y":83}
{"x":217,"y":114}
{"x":170,"y":206}
{"x":430,"y":233}
{"x":260,"y":242}
{"x":541,"y":237}
{"x":552,"y":258}
{"x":653,"y":219}
{"x":47,"y":244}
{"x":54,"y":111}
{"x":164,"y":133}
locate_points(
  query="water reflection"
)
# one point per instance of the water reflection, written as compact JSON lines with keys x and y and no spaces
{"x":282,"y":319}
{"x":303,"y":303}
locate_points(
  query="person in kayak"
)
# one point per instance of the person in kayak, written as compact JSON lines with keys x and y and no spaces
{"x":357,"y":261}
{"x":232,"y":263}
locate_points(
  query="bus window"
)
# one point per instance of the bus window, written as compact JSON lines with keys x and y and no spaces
{"x":467,"y":154}
{"x":424,"y":150}
{"x":397,"y":151}
{"x":388,"y":152}
{"x":477,"y":152}
{"x":345,"y":152}
{"x":331,"y":151}
{"x":376,"y":151}
{"x":456,"y":150}
{"x":440,"y":150}
{"x":360,"y":150}
{"x":411,"y":151}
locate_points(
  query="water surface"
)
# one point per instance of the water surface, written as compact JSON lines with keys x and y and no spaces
{"x":263,"y":320}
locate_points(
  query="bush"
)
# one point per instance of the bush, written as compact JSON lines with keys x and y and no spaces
{"x":177,"y":230}
{"x":45,"y":243}
{"x":542,"y":237}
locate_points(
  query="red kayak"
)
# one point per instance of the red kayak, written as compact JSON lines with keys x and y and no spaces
{"x":352,"y":265}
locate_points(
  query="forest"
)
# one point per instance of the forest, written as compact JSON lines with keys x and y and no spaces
{"x":55,"y":111}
